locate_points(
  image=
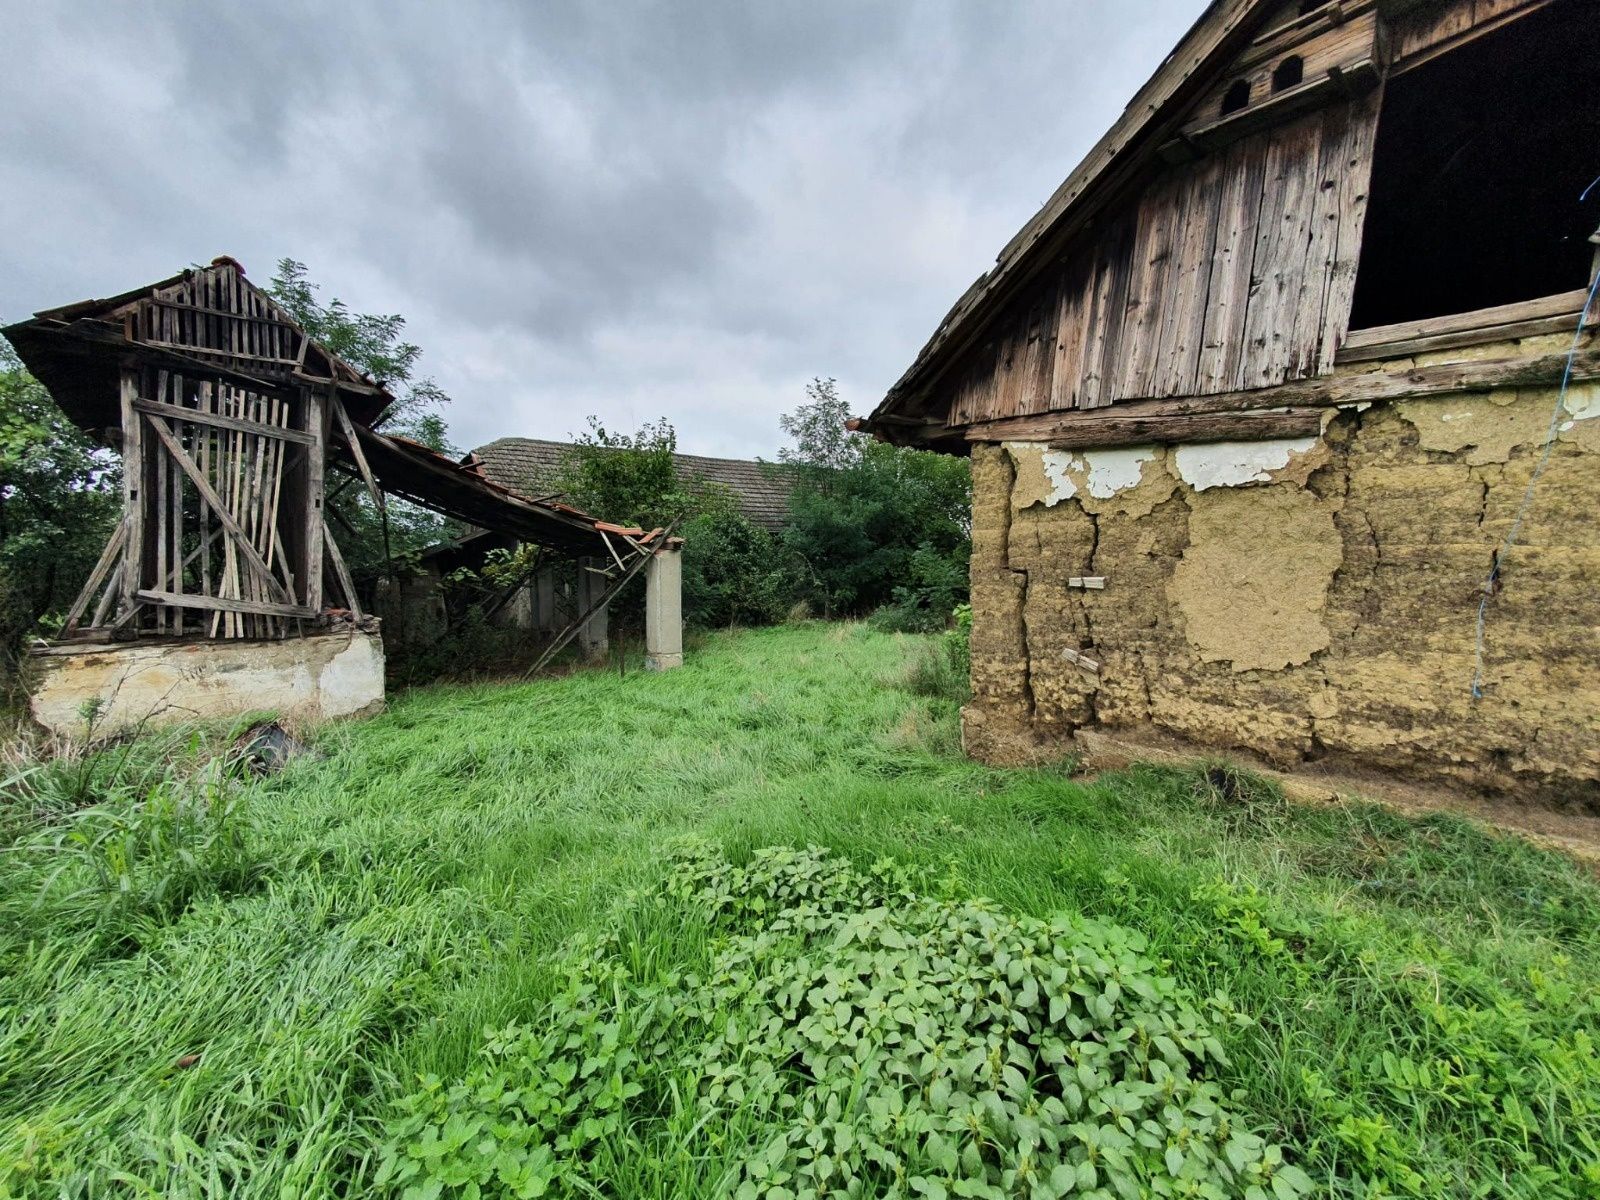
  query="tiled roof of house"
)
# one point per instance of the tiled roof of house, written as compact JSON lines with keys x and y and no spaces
{"x":531,"y":466}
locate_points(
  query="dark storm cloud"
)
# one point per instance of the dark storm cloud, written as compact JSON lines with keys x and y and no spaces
{"x":626,"y":209}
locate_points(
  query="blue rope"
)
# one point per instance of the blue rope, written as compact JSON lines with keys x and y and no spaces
{"x":1533,"y":480}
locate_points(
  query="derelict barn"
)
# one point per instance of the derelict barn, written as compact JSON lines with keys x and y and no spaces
{"x":1266,"y":405}
{"x":223,"y":588}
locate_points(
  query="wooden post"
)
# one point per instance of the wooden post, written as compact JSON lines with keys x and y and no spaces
{"x":316,"y":409}
{"x":132,"y":488}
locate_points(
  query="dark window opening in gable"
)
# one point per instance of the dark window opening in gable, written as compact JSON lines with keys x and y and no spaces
{"x":1288,"y":73}
{"x":1236,"y":97}
{"x":1481,"y":156}
{"x":1310,"y":6}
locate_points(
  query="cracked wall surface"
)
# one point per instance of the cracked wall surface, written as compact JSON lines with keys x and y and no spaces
{"x":1313,"y":601}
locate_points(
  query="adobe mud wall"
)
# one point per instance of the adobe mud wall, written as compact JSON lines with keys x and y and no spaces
{"x":1308,"y":600}
{"x":315,"y":678}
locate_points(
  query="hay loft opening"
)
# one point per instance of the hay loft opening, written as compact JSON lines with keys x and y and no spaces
{"x":1481,"y":156}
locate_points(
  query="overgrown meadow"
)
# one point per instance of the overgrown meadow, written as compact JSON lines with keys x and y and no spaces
{"x":754,"y":928}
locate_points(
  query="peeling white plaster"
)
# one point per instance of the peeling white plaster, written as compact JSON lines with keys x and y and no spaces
{"x":1062,"y":486}
{"x":1359,"y":406}
{"x":1582,"y":403}
{"x":1112,"y":470}
{"x":1231,"y":464}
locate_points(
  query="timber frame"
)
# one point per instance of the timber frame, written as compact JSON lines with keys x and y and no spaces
{"x":229,"y":418}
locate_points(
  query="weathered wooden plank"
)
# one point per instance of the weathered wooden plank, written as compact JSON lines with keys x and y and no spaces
{"x":218,"y":421}
{"x":1072,"y":331}
{"x":109,"y":555}
{"x":1158,"y":219}
{"x":1566,"y":305}
{"x":224,"y":514}
{"x":1370,"y":388}
{"x":132,"y":482}
{"x":1107,"y":314}
{"x":1184,"y":325}
{"x":1354,"y":185}
{"x":221,"y":604}
{"x":1114,"y":430}
{"x":314,"y":404}
{"x":342,"y":574}
{"x":1405,"y":348}
{"x":1238,"y":213}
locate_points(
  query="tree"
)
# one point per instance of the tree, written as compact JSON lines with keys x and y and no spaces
{"x":372,"y":344}
{"x":633,"y":479}
{"x":877,"y":526}
{"x":821,"y":441}
{"x":59,"y":500}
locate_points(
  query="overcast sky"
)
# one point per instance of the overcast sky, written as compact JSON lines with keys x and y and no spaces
{"x":626,"y":209}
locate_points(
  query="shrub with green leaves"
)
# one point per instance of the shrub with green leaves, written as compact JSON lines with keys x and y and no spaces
{"x":848,"y":1036}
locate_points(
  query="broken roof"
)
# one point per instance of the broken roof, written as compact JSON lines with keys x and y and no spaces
{"x":76,"y":350}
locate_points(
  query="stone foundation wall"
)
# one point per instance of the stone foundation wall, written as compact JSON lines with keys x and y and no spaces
{"x":316,"y":678}
{"x":1309,"y":600}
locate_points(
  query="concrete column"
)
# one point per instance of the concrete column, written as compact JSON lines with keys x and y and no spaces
{"x":594,"y":639}
{"x":663,"y":610}
{"x":544,"y":600}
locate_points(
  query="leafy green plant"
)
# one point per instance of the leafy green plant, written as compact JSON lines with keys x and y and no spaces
{"x":868,"y":1041}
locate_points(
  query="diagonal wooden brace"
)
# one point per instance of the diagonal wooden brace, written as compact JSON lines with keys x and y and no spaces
{"x":209,"y":494}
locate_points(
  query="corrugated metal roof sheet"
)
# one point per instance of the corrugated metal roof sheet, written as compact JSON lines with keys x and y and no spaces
{"x":531,"y":466}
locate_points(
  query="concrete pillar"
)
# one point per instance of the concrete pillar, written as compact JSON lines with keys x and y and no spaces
{"x":594,"y":639}
{"x":663,"y":610}
{"x":544,"y":600}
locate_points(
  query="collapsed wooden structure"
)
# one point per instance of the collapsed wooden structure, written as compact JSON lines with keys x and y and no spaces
{"x":230,"y":418}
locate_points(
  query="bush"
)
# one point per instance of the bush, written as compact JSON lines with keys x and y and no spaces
{"x":733,"y":572}
{"x":875,"y":524}
{"x":848,"y":1036}
{"x":942,"y":667}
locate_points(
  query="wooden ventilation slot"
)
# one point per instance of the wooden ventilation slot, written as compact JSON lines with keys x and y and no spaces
{"x":1236,"y":97}
{"x":1288,"y":73}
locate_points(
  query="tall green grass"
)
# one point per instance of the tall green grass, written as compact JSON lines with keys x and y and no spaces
{"x":298,"y":952}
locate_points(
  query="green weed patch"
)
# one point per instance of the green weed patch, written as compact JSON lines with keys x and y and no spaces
{"x":864,"y":1041}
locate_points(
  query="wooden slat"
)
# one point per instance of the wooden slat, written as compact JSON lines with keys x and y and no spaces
{"x":342,"y":574}
{"x":97,"y":577}
{"x":225,"y":516}
{"x":218,"y":421}
{"x":132,"y":482}
{"x":1370,"y":388}
{"x":1238,"y":213}
{"x":314,"y":404}
{"x":220,"y":604}
{"x":1566,"y":305}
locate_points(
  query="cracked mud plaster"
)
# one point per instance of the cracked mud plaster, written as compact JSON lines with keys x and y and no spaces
{"x":1257,"y":601}
{"x":1326,"y":613}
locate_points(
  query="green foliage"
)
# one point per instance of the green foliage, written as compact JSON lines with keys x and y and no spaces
{"x":372,"y":343}
{"x":733,"y":572}
{"x":107,"y":840}
{"x":59,"y":500}
{"x":864,"y":1040}
{"x":873,"y":524}
{"x":632,"y":479}
{"x":942,"y":667}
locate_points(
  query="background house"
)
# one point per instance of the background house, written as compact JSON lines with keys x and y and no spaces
{"x":1281,"y":436}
